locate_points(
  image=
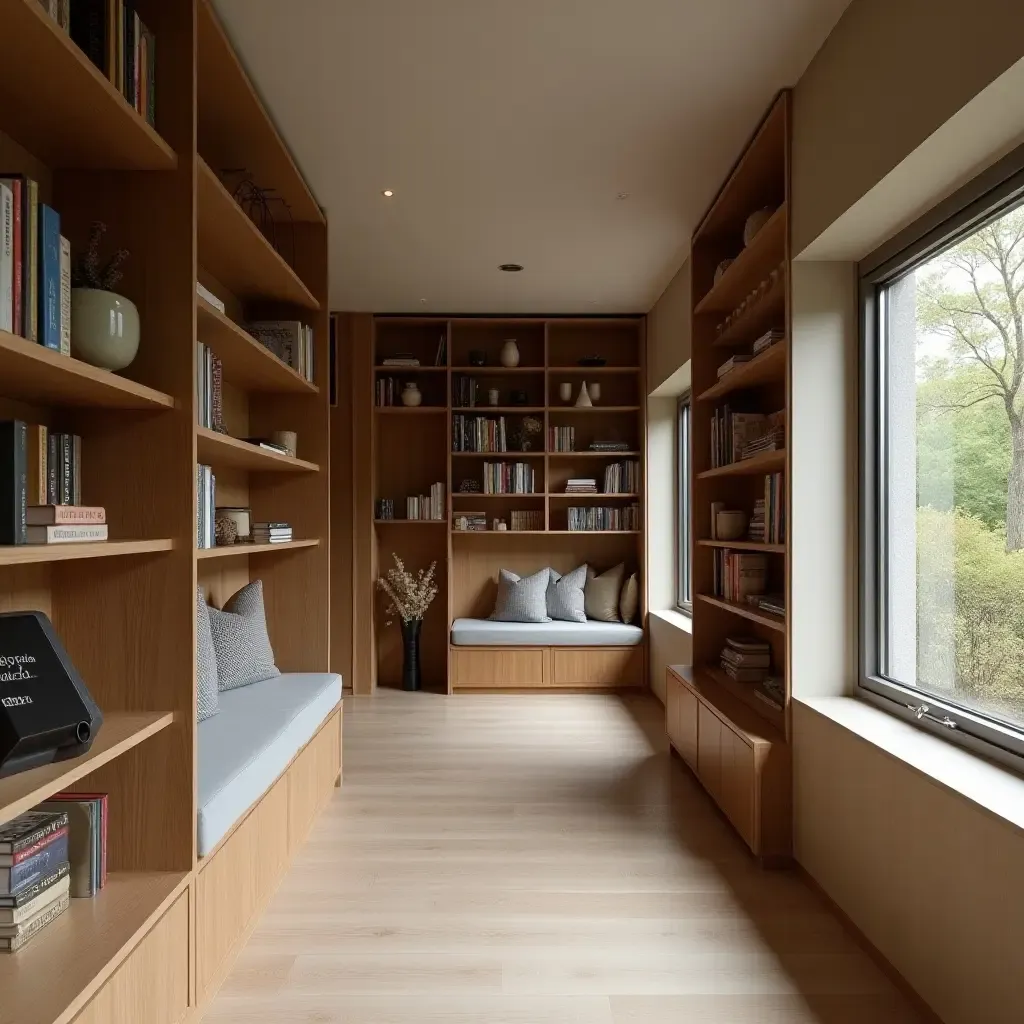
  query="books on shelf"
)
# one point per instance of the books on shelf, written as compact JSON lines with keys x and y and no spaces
{"x":464,"y":390}
{"x":290,"y":340}
{"x":427,"y":506}
{"x":267,"y":445}
{"x":520,"y":520}
{"x":13,"y":937}
{"x":739,"y":575}
{"x":209,"y":388}
{"x":591,"y":517}
{"x":742,"y":435}
{"x":767,"y":524}
{"x":774,"y":604}
{"x":34,"y":898}
{"x":766,"y":340}
{"x":508,"y":478}
{"x":581,"y":485}
{"x":17,"y":871}
{"x":271,"y":533}
{"x":622,"y":477}
{"x":400,"y":361}
{"x":24,"y":313}
{"x":87,"y":824}
{"x":732,"y":362}
{"x":387,"y":391}
{"x":746,"y":659}
{"x":384,"y":508}
{"x":206,"y":504}
{"x":608,"y":446}
{"x":204,"y":293}
{"x":479,"y":433}
{"x":470,"y":522}
{"x":13,"y":482}
{"x":561,"y":439}
{"x":61,"y":534}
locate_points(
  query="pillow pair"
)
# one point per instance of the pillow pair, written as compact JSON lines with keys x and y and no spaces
{"x":612,"y":596}
{"x":232,"y":646}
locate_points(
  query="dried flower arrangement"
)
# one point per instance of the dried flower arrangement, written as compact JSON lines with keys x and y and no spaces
{"x":410,"y":593}
{"x":87,"y":272}
{"x":529,"y":427}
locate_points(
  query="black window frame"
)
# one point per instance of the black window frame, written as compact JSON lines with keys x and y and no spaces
{"x":684,"y":506}
{"x":988,"y":197}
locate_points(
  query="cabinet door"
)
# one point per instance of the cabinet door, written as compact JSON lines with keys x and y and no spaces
{"x":688,"y":726}
{"x":737,"y":792}
{"x":709,"y":750}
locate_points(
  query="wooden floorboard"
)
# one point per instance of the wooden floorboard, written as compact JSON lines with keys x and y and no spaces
{"x":537,"y":859}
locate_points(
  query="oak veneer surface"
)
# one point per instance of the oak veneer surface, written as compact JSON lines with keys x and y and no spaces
{"x":537,"y":859}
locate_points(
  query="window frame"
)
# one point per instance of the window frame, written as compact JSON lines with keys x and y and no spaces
{"x":984,"y":199}
{"x":684,"y":505}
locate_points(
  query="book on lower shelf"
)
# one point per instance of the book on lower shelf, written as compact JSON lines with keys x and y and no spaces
{"x":622,"y":477}
{"x":509,"y":478}
{"x":470,"y":522}
{"x":427,"y":506}
{"x":739,"y":575}
{"x":581,"y":485}
{"x":746,"y":659}
{"x":561,"y":439}
{"x":525,"y":520}
{"x":271,"y":533}
{"x":590,"y":517}
{"x":206,"y":507}
{"x":87,"y":850}
{"x":736,"y":435}
{"x":768,"y":523}
{"x":479,"y":433}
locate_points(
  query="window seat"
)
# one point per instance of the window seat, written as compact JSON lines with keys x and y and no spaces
{"x":487,"y":633}
{"x":245,"y":748}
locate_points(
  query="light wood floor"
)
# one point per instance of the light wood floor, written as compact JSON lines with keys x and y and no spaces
{"x":537,"y":860}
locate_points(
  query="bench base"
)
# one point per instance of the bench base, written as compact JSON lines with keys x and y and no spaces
{"x":546,"y":668}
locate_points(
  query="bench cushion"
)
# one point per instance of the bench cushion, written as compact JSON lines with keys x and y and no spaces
{"x":243,"y":750}
{"x":487,"y":633}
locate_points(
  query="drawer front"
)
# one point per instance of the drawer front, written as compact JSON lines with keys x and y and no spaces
{"x":686,"y":724}
{"x":737,"y":785}
{"x":311,"y":779}
{"x":709,"y":749}
{"x":152,"y":984}
{"x":498,"y":666}
{"x":597,"y":666}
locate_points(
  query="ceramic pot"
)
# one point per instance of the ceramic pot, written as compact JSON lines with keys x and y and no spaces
{"x":493,"y":396}
{"x":104,"y":328}
{"x":411,"y":654}
{"x":755,"y":222}
{"x":730,"y":525}
{"x":594,"y":390}
{"x":286,"y":439}
{"x":565,"y":391}
{"x":411,"y":395}
{"x":510,"y":353}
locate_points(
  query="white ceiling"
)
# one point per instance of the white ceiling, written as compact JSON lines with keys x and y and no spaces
{"x":507,"y":130}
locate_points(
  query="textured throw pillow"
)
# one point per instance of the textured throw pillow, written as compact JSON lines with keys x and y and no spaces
{"x":629,"y":599}
{"x":207,"y":704}
{"x":522,"y":599}
{"x":565,"y":595}
{"x":240,"y":640}
{"x":601,"y":596}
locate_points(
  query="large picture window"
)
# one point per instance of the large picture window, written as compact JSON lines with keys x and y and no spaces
{"x":943,"y":554}
{"x":684,"y":597}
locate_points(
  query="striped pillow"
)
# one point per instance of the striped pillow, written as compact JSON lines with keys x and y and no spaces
{"x":522,"y":600}
{"x":565,"y":595}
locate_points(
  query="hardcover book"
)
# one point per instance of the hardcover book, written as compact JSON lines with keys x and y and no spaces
{"x":30,"y":908}
{"x":49,"y":277}
{"x":20,"y":838}
{"x":17,"y":243}
{"x":13,"y":482}
{"x":66,"y":515}
{"x":12,"y":938}
{"x":43,"y":862}
{"x":65,"y":296}
{"x":65,"y":534}
{"x":85,"y":844}
{"x":36,"y":452}
{"x":32,"y":892}
{"x":6,"y":258}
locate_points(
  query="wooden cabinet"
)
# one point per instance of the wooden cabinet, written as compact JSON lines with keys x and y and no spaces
{"x":526,"y":668}
{"x":738,"y":758}
{"x":597,"y":666}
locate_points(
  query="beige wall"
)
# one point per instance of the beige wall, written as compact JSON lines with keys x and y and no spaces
{"x":668,"y":330}
{"x":933,"y":881}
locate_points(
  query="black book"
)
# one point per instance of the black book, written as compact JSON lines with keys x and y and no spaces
{"x":89,"y":30}
{"x":30,"y":892}
{"x":66,"y":464}
{"x":52,"y":490}
{"x":13,"y":482}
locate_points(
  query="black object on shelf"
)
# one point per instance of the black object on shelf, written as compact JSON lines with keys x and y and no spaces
{"x":411,"y":654}
{"x":46,"y":712}
{"x":477,"y":357}
{"x":517,"y":398}
{"x":593,"y":361}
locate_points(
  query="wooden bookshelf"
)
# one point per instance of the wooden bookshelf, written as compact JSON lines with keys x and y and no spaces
{"x":758,"y":465}
{"x":246,"y":550}
{"x":765,"y":368}
{"x":216,"y":449}
{"x":35,"y":554}
{"x":745,"y":611}
{"x":744,"y":545}
{"x":409,"y":453}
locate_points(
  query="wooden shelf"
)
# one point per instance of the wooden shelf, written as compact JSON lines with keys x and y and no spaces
{"x":589,"y":371}
{"x":487,"y":497}
{"x":247,"y":363}
{"x":121,"y":730}
{"x":244,"y":550}
{"x":55,"y":975}
{"x":61,"y":108}
{"x":411,"y":410}
{"x":30,"y":554}
{"x":400,"y":370}
{"x":411,"y":522}
{"x":236,"y":252}
{"x":497,"y":455}
{"x":768,"y":367}
{"x":213,"y":449}
{"x":592,"y":408}
{"x":488,"y":409}
{"x":766,"y":462}
{"x":744,"y":545}
{"x":745,"y":611}
{"x":32,"y":373}
{"x":767,"y":313}
{"x":744,"y":693}
{"x":545,"y":533}
{"x":754,"y":263}
{"x":496,"y":371}
{"x":594,"y":455}
{"x":600,"y":496}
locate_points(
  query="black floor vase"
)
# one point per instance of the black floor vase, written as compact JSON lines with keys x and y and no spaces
{"x":411,"y":649}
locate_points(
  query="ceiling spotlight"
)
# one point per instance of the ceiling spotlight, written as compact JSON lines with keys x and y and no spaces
{"x":387,"y":193}
{"x":621,"y":195}
{"x":511,"y":268}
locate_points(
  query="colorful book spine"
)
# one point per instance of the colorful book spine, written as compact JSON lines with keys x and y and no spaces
{"x":37,"y":470}
{"x":13,"y":482}
{"x":31,"y":260}
{"x":65,"y":297}
{"x":49,"y":277}
{"x":6,"y":258}
{"x":47,"y":860}
{"x":66,"y":515}
{"x":66,"y":534}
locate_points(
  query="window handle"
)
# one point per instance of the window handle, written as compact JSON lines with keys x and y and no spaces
{"x":922,"y":711}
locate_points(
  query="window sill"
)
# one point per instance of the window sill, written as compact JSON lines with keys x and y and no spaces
{"x":988,"y":786}
{"x":674,"y":618}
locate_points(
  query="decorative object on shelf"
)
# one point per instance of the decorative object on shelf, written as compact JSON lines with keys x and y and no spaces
{"x":46,"y":712}
{"x":493,"y":396}
{"x":521,"y":437}
{"x":509,"y":353}
{"x":593,"y":360}
{"x":594,"y":390}
{"x":730,"y":524}
{"x":722,"y":268}
{"x":500,"y":525}
{"x":104,"y":324}
{"x":241,"y":641}
{"x":565,"y":391}
{"x":477,"y":357}
{"x":469,"y":487}
{"x":584,"y":402}
{"x":287,"y":439}
{"x":517,"y":397}
{"x":411,"y":395}
{"x":755,"y":222}
{"x":410,"y":595}
{"x":256,"y":202}
{"x":240,"y":516}
{"x":225,"y":531}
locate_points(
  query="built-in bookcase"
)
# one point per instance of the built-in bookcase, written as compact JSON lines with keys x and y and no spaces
{"x":126,"y":609}
{"x":411,"y":448}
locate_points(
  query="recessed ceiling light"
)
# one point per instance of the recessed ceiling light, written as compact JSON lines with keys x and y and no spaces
{"x":387,"y":193}
{"x":621,"y":195}
{"x":511,"y":268}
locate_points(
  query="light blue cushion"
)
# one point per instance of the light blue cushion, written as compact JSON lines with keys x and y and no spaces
{"x":488,"y":633}
{"x":243,"y":750}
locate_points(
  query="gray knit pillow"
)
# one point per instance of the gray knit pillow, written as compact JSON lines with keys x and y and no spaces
{"x":207,"y":704}
{"x":565,"y":595}
{"x":240,"y":639}
{"x":522,"y":600}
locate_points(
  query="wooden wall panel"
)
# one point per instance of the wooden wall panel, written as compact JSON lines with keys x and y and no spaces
{"x":342,"y":500}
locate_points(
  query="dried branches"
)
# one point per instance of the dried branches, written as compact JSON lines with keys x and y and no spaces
{"x":410,"y":594}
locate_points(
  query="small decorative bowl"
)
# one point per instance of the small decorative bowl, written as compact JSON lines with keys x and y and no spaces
{"x":730,"y":525}
{"x":593,"y":361}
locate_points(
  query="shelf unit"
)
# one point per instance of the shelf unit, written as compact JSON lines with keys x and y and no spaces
{"x":125,"y":609}
{"x":409,"y":451}
{"x":728,"y":314}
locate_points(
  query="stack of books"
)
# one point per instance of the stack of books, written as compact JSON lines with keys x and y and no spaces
{"x":746,"y":659}
{"x":519,"y":521}
{"x":766,"y":340}
{"x":401,"y":360}
{"x":464,"y":391}
{"x":87,"y":839}
{"x":594,"y":518}
{"x":209,"y":388}
{"x":114,"y":38}
{"x":35,"y":267}
{"x":387,"y":391}
{"x":271,"y":533}
{"x":427,"y":506}
{"x":267,"y":445}
{"x":206,"y":507}
{"x":34,"y":868}
{"x":508,"y":478}
{"x":291,"y":341}
{"x":774,"y":604}
{"x":470,"y":522}
{"x":622,"y":478}
{"x":767,"y":525}
{"x":561,"y":439}
{"x":581,"y":485}
{"x":608,"y":446}
{"x":65,"y":524}
{"x":771,"y":437}
{"x":732,"y":362}
{"x":478,"y":434}
{"x":739,"y":575}
{"x":384,"y":508}
{"x":731,"y":432}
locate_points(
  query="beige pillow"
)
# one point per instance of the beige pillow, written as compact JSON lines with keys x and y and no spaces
{"x":629,"y":599}
{"x":601,"y":595}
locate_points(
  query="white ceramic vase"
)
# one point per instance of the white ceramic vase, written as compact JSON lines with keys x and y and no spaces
{"x":584,"y":402}
{"x":104,"y":328}
{"x":411,"y":395}
{"x":594,"y":390}
{"x":510,"y":353}
{"x":565,"y":391}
